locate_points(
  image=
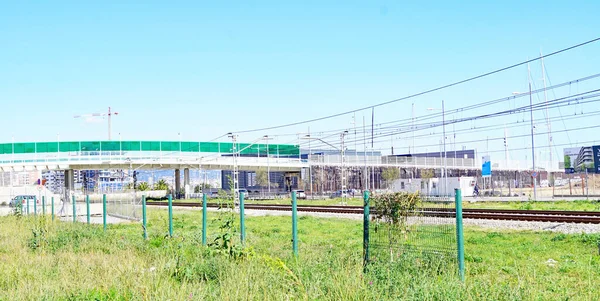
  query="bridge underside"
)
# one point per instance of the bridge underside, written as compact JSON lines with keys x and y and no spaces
{"x":221,"y":163}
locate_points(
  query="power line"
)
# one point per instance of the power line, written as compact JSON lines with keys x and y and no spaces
{"x":555,"y":103}
{"x":494,"y":138}
{"x":515,"y":136}
{"x":511,"y":125}
{"x":466,"y":108}
{"x":424,"y":92}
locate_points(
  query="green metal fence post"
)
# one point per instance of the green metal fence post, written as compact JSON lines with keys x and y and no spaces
{"x":27,"y":200}
{"x":52,"y":201}
{"x":20,"y":200}
{"x":43,"y":205}
{"x":104,"y":211}
{"x":366,"y":220}
{"x":74,"y":210}
{"x":242,"y":216}
{"x":170,"y":215}
{"x":144,"y":221}
{"x":87,"y":207}
{"x":294,"y":224}
{"x":204,"y":219}
{"x":459,"y":234}
{"x":34,"y":205}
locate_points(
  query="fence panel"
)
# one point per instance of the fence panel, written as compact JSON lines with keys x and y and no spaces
{"x":426,"y":236}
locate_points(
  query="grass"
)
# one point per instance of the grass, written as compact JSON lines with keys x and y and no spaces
{"x":578,"y":205}
{"x":45,"y":260}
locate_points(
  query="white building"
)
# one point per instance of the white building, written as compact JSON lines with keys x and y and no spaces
{"x":435,"y":186}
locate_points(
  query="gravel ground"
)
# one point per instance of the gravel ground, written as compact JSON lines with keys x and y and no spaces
{"x":96,"y":219}
{"x":567,"y":228}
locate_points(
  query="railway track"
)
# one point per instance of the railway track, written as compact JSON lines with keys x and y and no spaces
{"x":590,"y":217}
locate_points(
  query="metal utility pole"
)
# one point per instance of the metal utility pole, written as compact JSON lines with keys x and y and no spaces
{"x":532,"y":135}
{"x":355,"y":163}
{"x":548,"y":123}
{"x":366,"y":172}
{"x":445,"y":170}
{"x":343,"y":159}
{"x":268,"y":166}
{"x":355,"y":139}
{"x":310,"y":178}
{"x":109,"y":115}
{"x":236,"y":187}
{"x":413,"y":128}
{"x":342,"y":153}
{"x":445,"y":154}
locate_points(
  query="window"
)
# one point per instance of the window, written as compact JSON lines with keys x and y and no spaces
{"x":422,"y":184}
{"x":401,"y":185}
{"x":433,"y":185}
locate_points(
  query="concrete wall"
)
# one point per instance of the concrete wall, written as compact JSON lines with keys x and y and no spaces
{"x":8,"y":193}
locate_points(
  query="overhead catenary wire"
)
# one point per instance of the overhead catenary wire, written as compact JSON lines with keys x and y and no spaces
{"x":497,"y":138}
{"x":461,"y":110}
{"x":423,"y":92}
{"x":510,"y":125}
{"x":553,"y":103}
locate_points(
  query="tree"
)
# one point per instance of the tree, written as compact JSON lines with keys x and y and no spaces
{"x":201,"y":187}
{"x":143,"y":186}
{"x":427,"y":174}
{"x":390,"y":174}
{"x":262,"y":178}
{"x":161,"y":185}
{"x":316,"y":177}
{"x":567,"y":161}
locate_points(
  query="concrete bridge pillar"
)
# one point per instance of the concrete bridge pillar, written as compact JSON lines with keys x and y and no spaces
{"x":69,"y":180}
{"x":186,"y":182}
{"x":177,"y":182}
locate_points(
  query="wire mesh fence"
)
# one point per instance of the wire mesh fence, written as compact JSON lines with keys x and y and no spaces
{"x":426,"y":235}
{"x":75,"y":205}
{"x":125,"y":205}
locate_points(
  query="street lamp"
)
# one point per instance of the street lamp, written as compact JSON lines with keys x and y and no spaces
{"x":266,"y":138}
{"x":236,"y":153}
{"x":236,"y":188}
{"x":342,"y":153}
{"x":445,"y":173}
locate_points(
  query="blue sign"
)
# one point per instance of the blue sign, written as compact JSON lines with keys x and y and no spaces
{"x":486,"y":167}
{"x":596,"y":153}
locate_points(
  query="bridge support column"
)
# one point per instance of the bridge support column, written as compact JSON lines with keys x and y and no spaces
{"x":69,"y":185}
{"x":177,"y":182}
{"x":69,"y":180}
{"x":186,"y":182}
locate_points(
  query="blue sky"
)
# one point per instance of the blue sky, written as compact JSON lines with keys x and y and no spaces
{"x":206,"y":69}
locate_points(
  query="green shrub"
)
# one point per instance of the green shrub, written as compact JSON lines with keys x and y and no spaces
{"x":39,"y":235}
